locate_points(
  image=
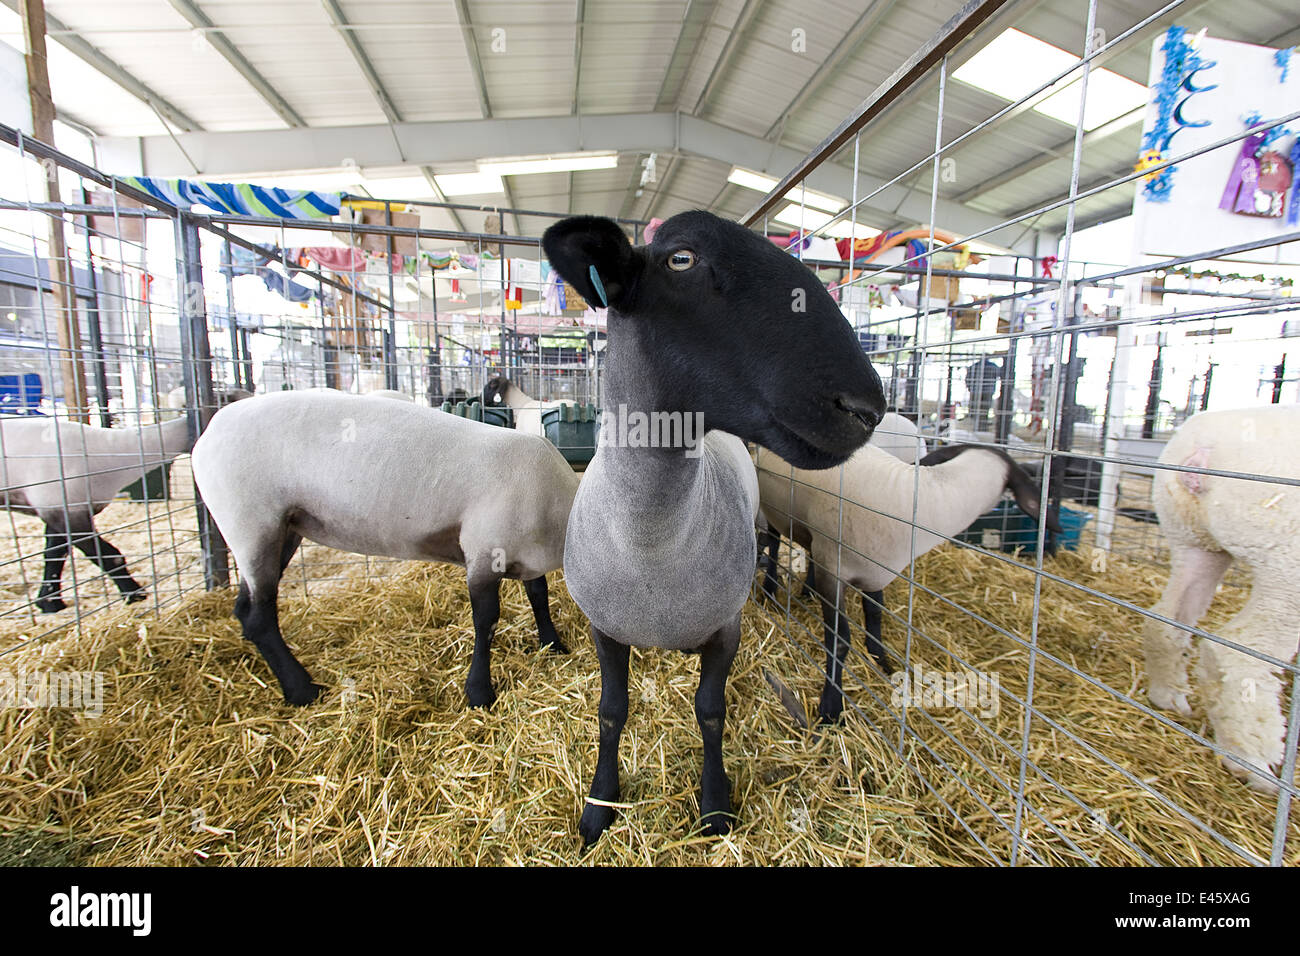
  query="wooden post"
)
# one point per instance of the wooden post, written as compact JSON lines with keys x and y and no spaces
{"x":62,"y":275}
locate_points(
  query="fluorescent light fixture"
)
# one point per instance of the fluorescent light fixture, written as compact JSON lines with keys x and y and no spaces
{"x":399,"y":187}
{"x":752,"y":180}
{"x":1109,"y":96}
{"x":469,"y":184}
{"x":811,"y":222}
{"x":1014,"y":64}
{"x":333,"y":182}
{"x":765,"y":184}
{"x":527,"y":165}
{"x":840,"y":230}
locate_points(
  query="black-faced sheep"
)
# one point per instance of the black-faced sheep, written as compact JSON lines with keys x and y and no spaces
{"x":660,"y":548}
{"x":500,"y":392}
{"x":383,"y":478}
{"x":950,"y":488}
{"x":65,"y":473}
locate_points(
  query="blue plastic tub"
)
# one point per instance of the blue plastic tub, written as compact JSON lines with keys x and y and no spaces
{"x":1008,"y":528}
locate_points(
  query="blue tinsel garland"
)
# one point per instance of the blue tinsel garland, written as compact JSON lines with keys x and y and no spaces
{"x":1293,"y":207}
{"x":1181,"y":64}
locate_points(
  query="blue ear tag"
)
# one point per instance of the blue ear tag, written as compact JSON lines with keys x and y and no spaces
{"x":599,"y":286}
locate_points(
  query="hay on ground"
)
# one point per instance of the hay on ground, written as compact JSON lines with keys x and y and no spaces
{"x":196,"y":760}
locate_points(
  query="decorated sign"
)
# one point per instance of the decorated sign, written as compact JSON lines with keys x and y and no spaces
{"x":1205,"y":90}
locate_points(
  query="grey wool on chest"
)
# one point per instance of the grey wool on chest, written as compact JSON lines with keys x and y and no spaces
{"x":660,"y":548}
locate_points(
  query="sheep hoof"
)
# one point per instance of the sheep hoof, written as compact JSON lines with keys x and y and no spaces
{"x":1254,"y":781}
{"x":830,"y":711}
{"x":51,"y":605}
{"x":302,"y":696}
{"x":595,"y":821}
{"x":556,"y":645}
{"x":481,"y":698}
{"x":717,"y":823}
{"x":135,"y":597}
{"x":1166,"y":699}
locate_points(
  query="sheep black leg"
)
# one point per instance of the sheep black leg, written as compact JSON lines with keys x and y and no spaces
{"x":810,"y":580}
{"x":547,"y":636}
{"x":259,"y":614}
{"x":836,"y":638}
{"x":109,"y":560}
{"x":711,"y":713}
{"x":485,"y":603}
{"x":769,"y":545}
{"x":613,"y":658}
{"x":873,"y":603}
{"x":287,"y":550}
{"x":56,"y":552}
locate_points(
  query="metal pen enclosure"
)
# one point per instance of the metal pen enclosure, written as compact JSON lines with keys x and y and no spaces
{"x":1063,"y":363}
{"x":173,"y":316}
{"x":1029,"y":772}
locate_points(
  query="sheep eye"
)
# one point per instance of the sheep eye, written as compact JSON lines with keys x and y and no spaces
{"x":681,"y":261}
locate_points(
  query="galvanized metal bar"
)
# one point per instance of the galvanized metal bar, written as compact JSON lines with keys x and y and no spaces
{"x":962,"y":25}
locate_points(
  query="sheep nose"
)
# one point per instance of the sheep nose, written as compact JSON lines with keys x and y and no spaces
{"x":868,"y":411}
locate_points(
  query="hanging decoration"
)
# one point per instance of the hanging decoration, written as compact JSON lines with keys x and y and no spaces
{"x":916,"y":240}
{"x":1261,"y":176}
{"x":239,"y":198}
{"x":1049,"y":266}
{"x":1293,"y":208}
{"x":1283,"y":60}
{"x":1170,"y":95}
{"x":1147,"y":160}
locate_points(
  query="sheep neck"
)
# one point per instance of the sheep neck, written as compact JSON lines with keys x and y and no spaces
{"x":167,"y":440}
{"x":655,"y":484}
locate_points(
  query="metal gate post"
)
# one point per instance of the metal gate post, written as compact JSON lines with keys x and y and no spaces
{"x":200,"y":403}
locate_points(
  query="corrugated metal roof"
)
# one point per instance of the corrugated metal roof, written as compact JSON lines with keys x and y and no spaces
{"x":636,"y":55}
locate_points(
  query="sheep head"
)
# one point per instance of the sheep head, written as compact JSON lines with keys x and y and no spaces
{"x":711,"y":317}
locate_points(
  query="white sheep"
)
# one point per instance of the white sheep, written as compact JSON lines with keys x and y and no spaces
{"x":390,"y":393}
{"x":65,"y":473}
{"x":500,"y":392}
{"x":382,"y":478}
{"x":895,"y":434}
{"x":950,"y":488}
{"x":900,"y":437}
{"x":1210,"y":521}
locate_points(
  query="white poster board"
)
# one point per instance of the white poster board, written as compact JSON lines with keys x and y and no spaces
{"x":1248,"y":80}
{"x":15,"y":104}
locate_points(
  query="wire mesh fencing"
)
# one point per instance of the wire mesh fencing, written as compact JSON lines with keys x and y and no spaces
{"x":1027,"y":667}
{"x":1035,"y":674}
{"x":122,"y":342}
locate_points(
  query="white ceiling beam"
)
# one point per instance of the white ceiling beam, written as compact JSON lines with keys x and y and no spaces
{"x":429,"y":144}
{"x":221,"y":43}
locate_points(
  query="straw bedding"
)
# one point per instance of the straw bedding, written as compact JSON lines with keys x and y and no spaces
{"x":195,"y":760}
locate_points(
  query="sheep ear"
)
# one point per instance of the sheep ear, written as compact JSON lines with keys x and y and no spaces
{"x":593,"y":255}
